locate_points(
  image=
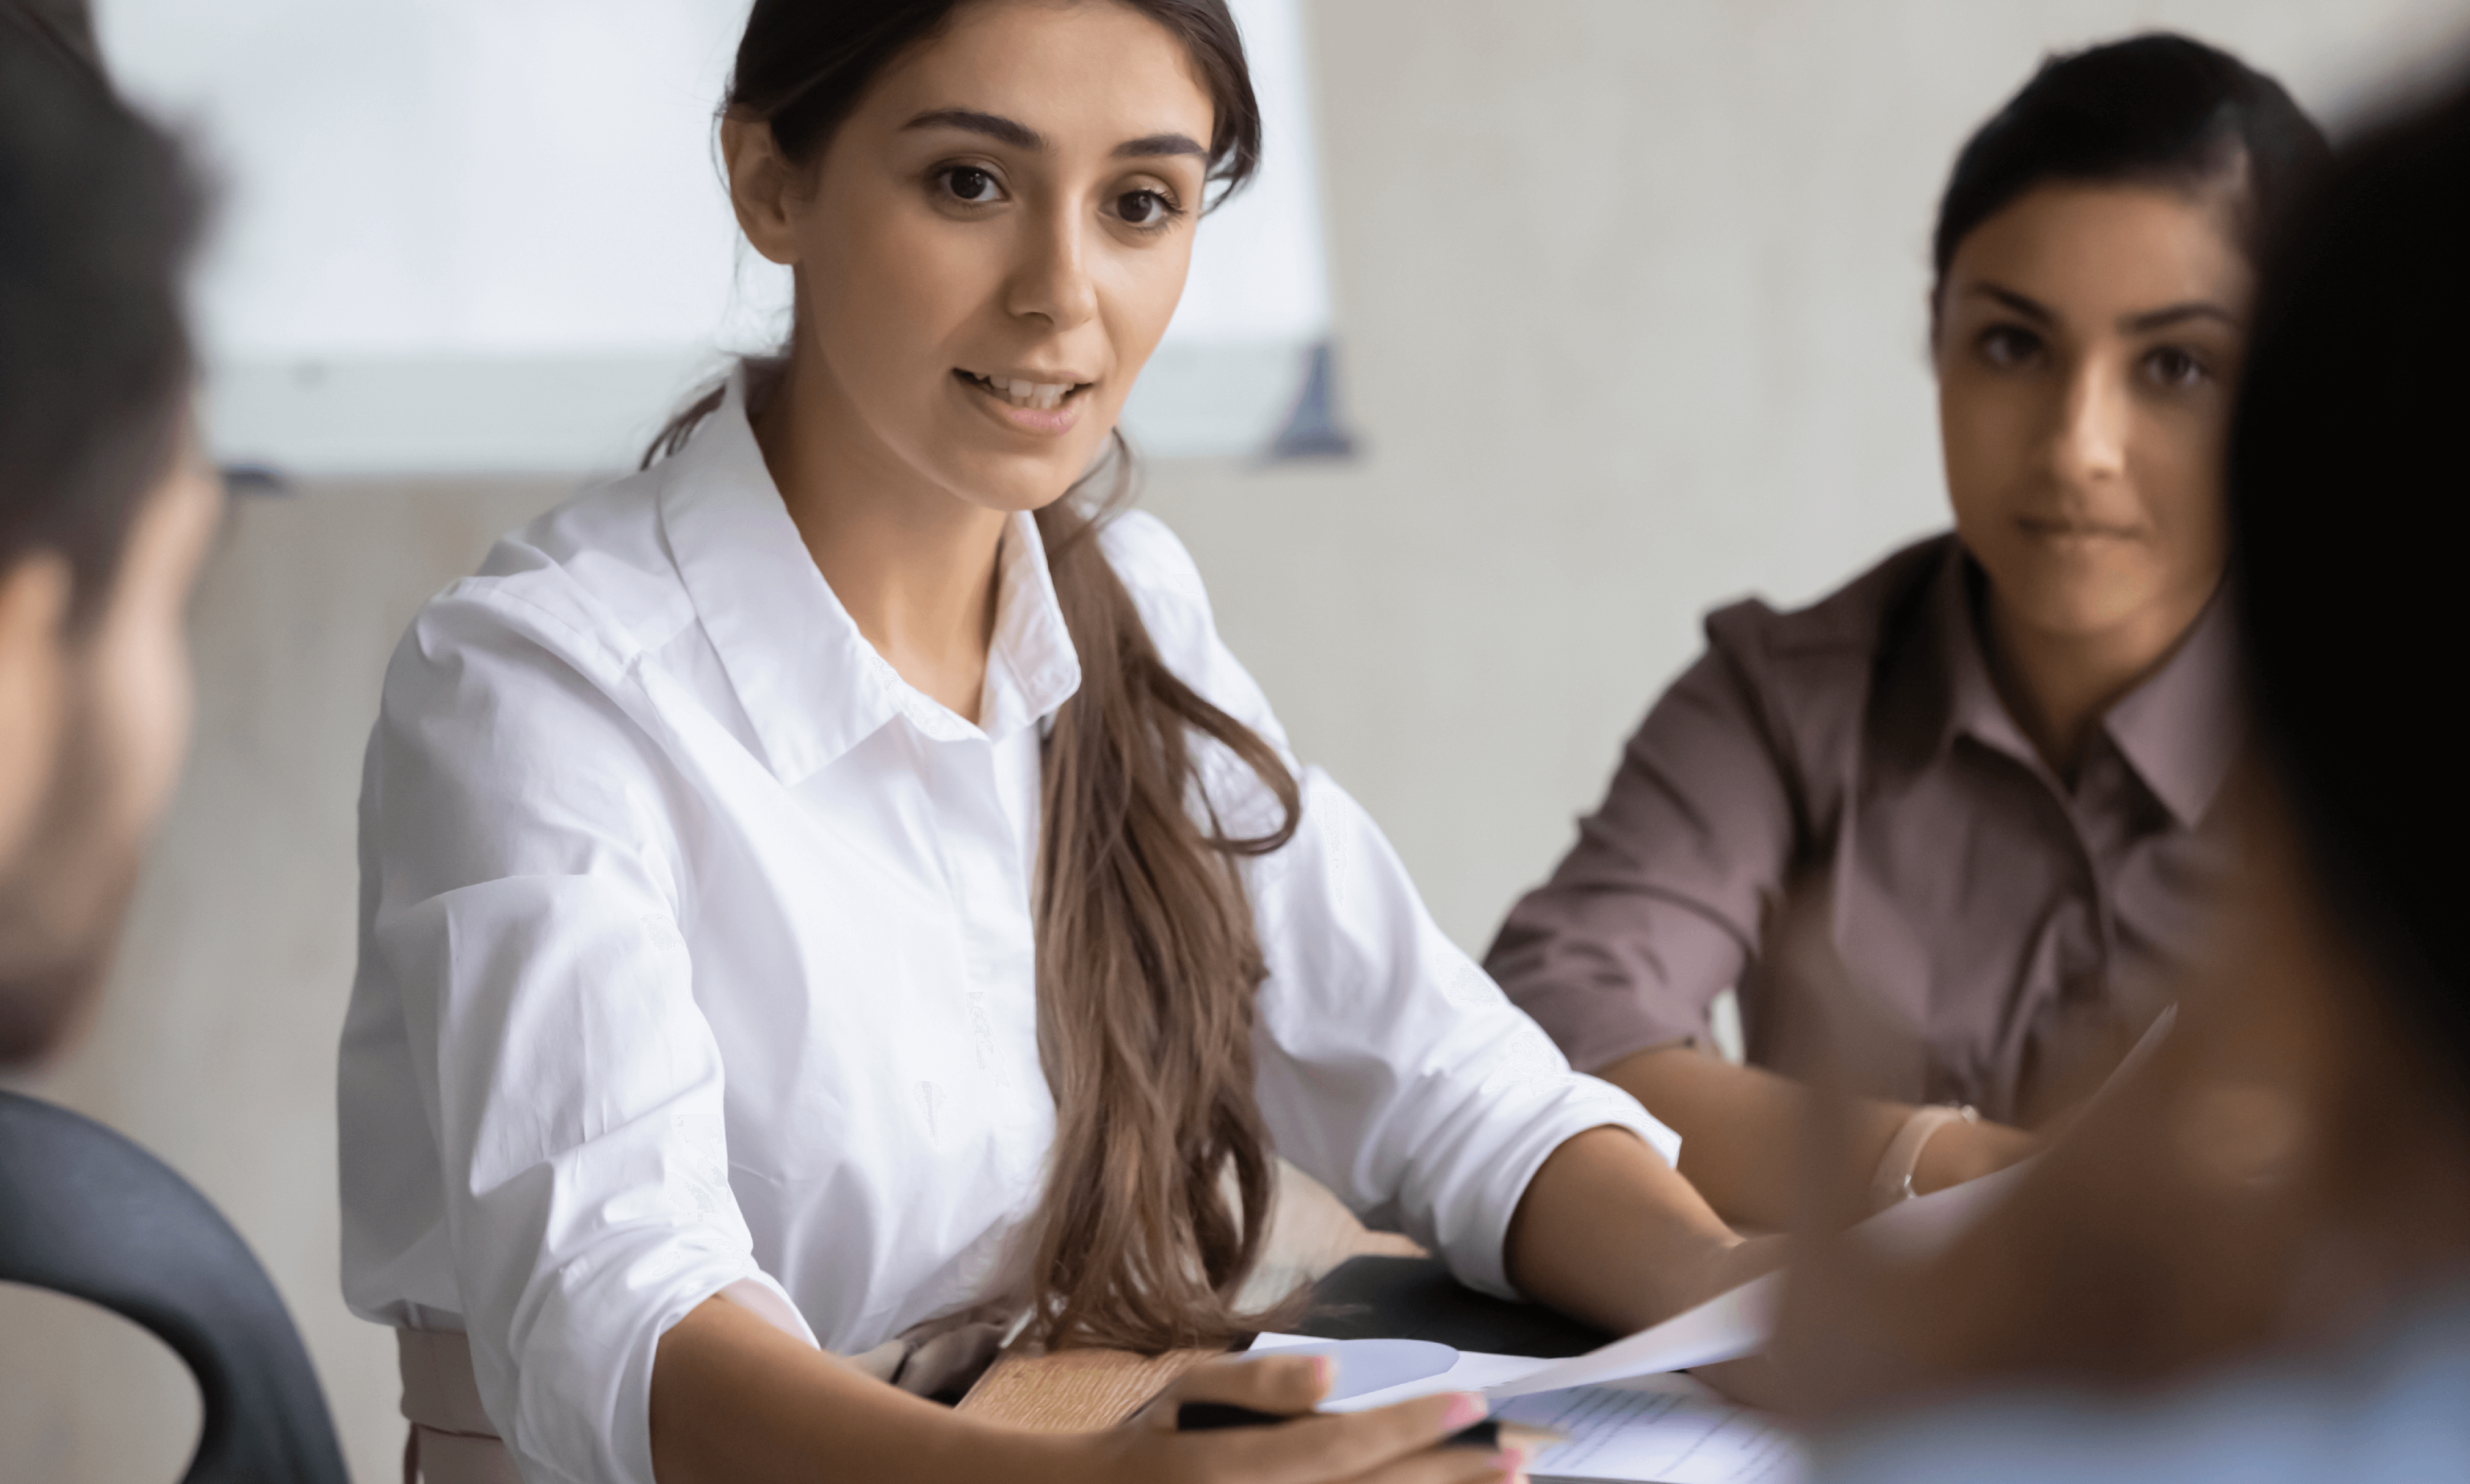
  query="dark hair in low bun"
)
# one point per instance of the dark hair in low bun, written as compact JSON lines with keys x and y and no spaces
{"x":2158,"y":108}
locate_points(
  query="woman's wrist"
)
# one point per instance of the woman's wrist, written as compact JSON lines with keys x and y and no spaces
{"x":1968,"y":1152}
{"x":971,"y":1447}
{"x":1016,"y":1454}
{"x":1898,"y":1175}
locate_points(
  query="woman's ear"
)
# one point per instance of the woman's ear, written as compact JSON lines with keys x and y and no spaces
{"x":34,"y":608}
{"x":760,"y":185}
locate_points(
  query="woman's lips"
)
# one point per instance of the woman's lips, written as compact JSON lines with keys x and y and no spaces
{"x":1046,"y":407}
{"x":2061,"y":530}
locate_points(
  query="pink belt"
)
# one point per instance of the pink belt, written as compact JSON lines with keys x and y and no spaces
{"x":453,"y":1441}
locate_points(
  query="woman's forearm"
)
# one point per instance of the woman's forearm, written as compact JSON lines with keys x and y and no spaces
{"x":734,"y":1400}
{"x":1607,"y":1232}
{"x":1741,"y":1127}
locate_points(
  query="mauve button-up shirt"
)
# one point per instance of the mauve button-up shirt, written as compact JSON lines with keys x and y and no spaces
{"x":2014,"y":929}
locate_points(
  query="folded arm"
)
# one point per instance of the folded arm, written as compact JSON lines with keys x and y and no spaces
{"x":1662,"y":905}
{"x":1741,"y":1128}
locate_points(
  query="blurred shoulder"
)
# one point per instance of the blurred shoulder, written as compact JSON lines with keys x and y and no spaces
{"x":2383,"y":1409}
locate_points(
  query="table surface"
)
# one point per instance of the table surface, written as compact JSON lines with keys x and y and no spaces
{"x":1079,"y":1390}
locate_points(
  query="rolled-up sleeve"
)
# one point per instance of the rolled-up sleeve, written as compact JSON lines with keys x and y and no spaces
{"x":528,"y":914}
{"x":1657,"y":909}
{"x":1389,"y":1067}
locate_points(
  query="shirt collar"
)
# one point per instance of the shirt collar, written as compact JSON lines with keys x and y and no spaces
{"x":1974,"y":707}
{"x":811,"y":685}
{"x":1032,"y":666}
{"x":2179,"y":729}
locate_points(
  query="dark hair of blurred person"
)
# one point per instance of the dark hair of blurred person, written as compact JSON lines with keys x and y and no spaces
{"x":104,"y":509}
{"x":2269,"y":1235}
{"x":1990,"y":764}
{"x":2358,"y":388}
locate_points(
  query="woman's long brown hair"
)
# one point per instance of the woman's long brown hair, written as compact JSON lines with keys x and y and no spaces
{"x":1147,"y":963}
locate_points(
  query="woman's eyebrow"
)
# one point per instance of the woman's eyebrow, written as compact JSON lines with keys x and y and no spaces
{"x":2030,"y":307}
{"x":1150,"y":146}
{"x":2176,"y":313}
{"x":1020,"y":136}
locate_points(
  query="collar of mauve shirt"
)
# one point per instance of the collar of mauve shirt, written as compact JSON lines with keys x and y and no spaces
{"x":752,"y":580}
{"x":2178,"y":729}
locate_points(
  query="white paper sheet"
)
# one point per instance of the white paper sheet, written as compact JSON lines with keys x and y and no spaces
{"x":1917,"y":1230}
{"x":1652,"y":1428}
{"x":1725,"y":1327}
{"x":1392,"y":1369}
{"x":1627,"y":1418}
{"x":1668,"y":1428}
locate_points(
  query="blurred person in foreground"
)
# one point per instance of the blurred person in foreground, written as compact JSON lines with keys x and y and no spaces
{"x":1991,"y":764}
{"x":2254,"y":1261}
{"x":106,"y":508}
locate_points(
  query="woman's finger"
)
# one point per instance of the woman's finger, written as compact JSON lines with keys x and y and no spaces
{"x":1281,"y":1386}
{"x":1330,"y":1448}
{"x":1451,"y":1466}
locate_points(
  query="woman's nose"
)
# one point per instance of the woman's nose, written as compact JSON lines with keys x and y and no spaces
{"x":1052,"y":281}
{"x":2089,"y":445}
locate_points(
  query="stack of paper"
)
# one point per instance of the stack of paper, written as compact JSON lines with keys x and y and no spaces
{"x":1624,"y":1417}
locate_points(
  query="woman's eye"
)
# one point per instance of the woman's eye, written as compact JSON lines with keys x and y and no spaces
{"x":1144,"y":208}
{"x":2174,"y":368}
{"x":2006,"y":345}
{"x":969,"y":183}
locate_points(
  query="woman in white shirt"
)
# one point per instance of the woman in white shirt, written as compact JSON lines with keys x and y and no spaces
{"x":834,"y":892}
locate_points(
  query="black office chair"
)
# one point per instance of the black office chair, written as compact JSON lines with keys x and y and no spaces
{"x":86,"y":1213}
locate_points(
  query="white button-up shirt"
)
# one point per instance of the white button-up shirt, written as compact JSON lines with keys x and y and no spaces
{"x":696,"y":955}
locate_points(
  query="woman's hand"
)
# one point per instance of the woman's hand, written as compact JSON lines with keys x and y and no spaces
{"x":1391,"y":1445}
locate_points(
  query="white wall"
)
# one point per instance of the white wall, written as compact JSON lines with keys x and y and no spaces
{"x":1629,"y":293}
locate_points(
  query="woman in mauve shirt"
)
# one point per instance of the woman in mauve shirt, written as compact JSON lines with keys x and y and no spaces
{"x":1983,"y":771}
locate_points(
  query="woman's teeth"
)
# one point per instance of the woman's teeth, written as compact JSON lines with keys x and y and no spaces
{"x":1043,"y":395}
